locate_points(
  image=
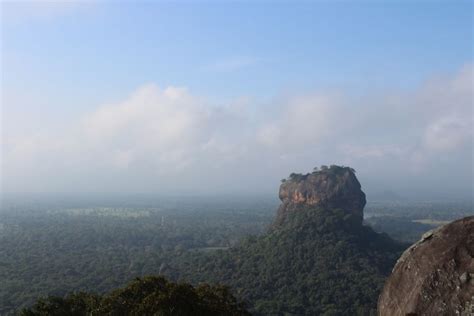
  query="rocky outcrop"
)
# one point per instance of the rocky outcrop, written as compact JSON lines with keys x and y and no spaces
{"x":435,"y":276}
{"x":331,"y":188}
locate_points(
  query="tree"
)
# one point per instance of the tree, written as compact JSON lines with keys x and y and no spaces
{"x":152,"y":295}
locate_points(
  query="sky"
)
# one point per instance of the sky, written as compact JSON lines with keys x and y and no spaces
{"x":207,"y":97}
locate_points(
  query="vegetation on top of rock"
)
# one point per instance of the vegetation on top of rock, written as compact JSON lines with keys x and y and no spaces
{"x":332,"y":169}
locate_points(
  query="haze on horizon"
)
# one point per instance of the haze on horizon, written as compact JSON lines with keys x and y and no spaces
{"x":207,"y":98}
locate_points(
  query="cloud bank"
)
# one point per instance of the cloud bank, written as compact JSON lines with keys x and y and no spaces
{"x":168,"y":140}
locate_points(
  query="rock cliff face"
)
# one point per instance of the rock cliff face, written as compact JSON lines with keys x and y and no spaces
{"x":332,"y":188}
{"x":435,"y":276}
{"x":318,"y":259}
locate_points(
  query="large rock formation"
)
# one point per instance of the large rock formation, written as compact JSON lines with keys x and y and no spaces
{"x":330,"y":188}
{"x":318,"y":259}
{"x":435,"y":276}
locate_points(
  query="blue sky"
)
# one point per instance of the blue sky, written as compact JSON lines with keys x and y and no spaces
{"x":261,"y":48}
{"x":63,"y":61}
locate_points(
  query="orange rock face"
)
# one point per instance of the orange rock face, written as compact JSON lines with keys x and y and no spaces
{"x":435,"y":276}
{"x":336,"y":188}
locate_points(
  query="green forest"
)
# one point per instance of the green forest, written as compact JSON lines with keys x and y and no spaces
{"x":146,"y":296}
{"x":319,"y":263}
{"x":61,"y":248}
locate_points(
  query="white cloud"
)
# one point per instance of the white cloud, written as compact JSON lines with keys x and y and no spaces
{"x":269,"y":135}
{"x":169,"y":139}
{"x":161,"y":128}
{"x":373,"y":151}
{"x":303,"y":121}
{"x":448,"y":133}
{"x":151,"y":118}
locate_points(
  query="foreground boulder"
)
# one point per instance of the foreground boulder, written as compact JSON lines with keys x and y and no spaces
{"x":435,"y":276}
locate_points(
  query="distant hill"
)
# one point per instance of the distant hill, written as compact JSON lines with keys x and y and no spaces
{"x":316,"y":259}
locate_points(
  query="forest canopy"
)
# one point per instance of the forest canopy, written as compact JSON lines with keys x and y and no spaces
{"x":152,"y":295}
